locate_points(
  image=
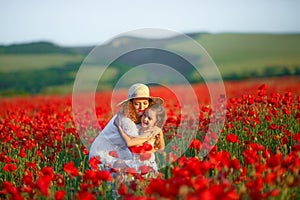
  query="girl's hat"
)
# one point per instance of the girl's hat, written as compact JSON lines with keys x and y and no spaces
{"x":140,"y":90}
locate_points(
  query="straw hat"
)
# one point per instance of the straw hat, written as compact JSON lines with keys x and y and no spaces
{"x":140,"y":90}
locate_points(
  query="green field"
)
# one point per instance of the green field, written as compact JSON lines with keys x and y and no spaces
{"x":243,"y":54}
{"x":252,"y":52}
{"x":237,"y":56}
{"x":24,"y":62}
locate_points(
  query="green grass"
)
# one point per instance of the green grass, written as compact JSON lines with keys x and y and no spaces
{"x":245,"y":53}
{"x":89,"y":72}
{"x":21,"y":62}
{"x":254,"y":53}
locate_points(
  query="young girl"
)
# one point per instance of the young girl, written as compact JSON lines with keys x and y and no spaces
{"x":150,"y":128}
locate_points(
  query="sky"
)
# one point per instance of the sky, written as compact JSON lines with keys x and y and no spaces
{"x":92,"y":22}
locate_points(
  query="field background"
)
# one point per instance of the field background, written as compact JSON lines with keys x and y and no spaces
{"x":44,"y":67}
{"x":256,"y":155}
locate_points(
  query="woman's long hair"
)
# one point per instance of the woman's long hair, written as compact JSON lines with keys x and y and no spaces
{"x":128,"y":110}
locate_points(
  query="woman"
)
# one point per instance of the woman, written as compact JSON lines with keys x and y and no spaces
{"x":109,"y":144}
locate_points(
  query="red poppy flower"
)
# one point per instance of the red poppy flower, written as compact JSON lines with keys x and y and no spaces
{"x":89,"y":175}
{"x":60,"y":194}
{"x":262,"y":87}
{"x":196,"y":144}
{"x":131,"y":171}
{"x":232,"y":138}
{"x":145,"y":156}
{"x":144,"y":169}
{"x":133,"y":185}
{"x":8,"y":188}
{"x":94,"y":162}
{"x":261,"y":90}
{"x":147,"y":146}
{"x":207,"y":194}
{"x":85,"y":195}
{"x":296,"y":137}
{"x":136,"y":149}
{"x":26,"y":189}
{"x":272,"y":127}
{"x":157,"y":186}
{"x":250,"y":156}
{"x":274,"y":160}
{"x":10,"y":167}
{"x":104,"y":175}
{"x":261,"y":93}
{"x":85,"y":151}
{"x":270,"y":178}
{"x":27,"y":178}
{"x":297,"y":116}
{"x":44,"y":183}
{"x":31,"y":165}
{"x":296,"y":147}
{"x":255,"y":187}
{"x":22,"y":153}
{"x":235,"y":164}
{"x":113,"y":154}
{"x":59,"y":180}
{"x":47,"y":171}
{"x":122,"y":190}
{"x":70,"y":169}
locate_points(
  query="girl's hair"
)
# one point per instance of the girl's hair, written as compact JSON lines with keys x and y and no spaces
{"x":161,"y":119}
{"x":128,"y":110}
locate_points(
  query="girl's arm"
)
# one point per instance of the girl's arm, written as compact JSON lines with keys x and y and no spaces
{"x":132,"y":141}
{"x":159,"y":144}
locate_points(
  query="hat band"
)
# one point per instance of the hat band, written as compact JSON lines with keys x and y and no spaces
{"x":135,"y":95}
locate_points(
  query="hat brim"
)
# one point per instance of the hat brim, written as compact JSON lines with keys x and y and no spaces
{"x":157,"y":100}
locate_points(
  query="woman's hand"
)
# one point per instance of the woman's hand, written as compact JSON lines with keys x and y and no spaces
{"x":151,"y":140}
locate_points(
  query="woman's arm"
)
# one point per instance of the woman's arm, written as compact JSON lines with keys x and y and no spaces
{"x":159,"y":144}
{"x":132,"y":141}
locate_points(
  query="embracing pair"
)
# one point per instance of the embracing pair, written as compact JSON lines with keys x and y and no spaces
{"x":131,"y":137}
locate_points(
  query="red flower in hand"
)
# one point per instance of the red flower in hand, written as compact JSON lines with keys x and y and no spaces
{"x":141,"y":148}
{"x":136,"y":149}
{"x":147,"y":146}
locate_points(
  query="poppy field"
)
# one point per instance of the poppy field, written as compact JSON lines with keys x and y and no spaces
{"x":257,"y":155}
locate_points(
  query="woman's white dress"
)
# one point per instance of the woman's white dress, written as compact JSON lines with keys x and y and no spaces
{"x":109,"y":139}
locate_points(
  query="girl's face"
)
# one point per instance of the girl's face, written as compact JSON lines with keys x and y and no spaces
{"x":139,"y":105}
{"x":149,"y":119}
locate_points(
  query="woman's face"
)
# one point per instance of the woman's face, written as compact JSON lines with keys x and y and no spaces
{"x":139,"y":105}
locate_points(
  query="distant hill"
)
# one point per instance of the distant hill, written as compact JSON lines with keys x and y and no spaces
{"x":34,"y":48}
{"x":84,"y":50}
{"x":237,"y":56}
{"x":41,"y":67}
